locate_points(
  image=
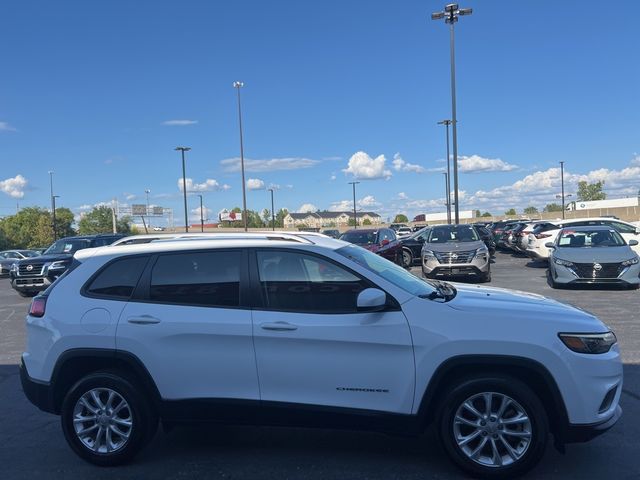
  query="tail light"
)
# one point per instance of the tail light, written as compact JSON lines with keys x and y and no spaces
{"x":497,"y":230}
{"x":542,"y":235}
{"x":38,"y":306}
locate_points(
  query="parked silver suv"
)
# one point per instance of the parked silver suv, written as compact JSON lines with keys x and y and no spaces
{"x":455,"y":251}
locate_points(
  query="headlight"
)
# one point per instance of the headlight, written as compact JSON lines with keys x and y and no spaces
{"x":482,"y":252}
{"x":564,"y":263}
{"x":631,"y":261}
{"x":58,"y":266}
{"x":427,"y":253}
{"x":14,"y":267}
{"x":588,"y":342}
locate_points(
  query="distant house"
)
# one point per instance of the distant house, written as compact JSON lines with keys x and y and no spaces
{"x":328,"y":219}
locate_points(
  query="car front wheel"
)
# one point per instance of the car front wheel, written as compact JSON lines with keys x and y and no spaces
{"x":493,"y":427}
{"x":407,"y":259}
{"x":106,"y":420}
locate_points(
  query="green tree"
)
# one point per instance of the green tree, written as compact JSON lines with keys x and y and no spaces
{"x":254,"y":220}
{"x":477,"y":214}
{"x":531,"y":210}
{"x":100,"y":220}
{"x":591,"y":191}
{"x":64,"y":222}
{"x":266,"y":217}
{"x":283,"y":212}
{"x":487,"y":214}
{"x":552,"y":207}
{"x":352,"y":222}
{"x":400,"y":218}
{"x":511,"y":211}
{"x":366,"y":221}
{"x":32,"y":227}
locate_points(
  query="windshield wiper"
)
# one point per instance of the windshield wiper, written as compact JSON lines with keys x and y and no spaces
{"x":443,"y":290}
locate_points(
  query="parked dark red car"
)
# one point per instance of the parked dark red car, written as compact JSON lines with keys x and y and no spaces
{"x":382,"y":241}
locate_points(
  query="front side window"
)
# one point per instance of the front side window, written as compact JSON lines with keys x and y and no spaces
{"x":292,"y":281}
{"x":119,"y":278}
{"x":197,"y":278}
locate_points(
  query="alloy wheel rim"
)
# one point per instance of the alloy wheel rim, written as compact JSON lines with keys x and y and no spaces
{"x":492,"y":429}
{"x":406,"y":257}
{"x":103,"y":420}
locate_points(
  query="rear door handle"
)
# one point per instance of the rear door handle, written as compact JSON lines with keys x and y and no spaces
{"x":143,"y":320}
{"x":278,"y":326}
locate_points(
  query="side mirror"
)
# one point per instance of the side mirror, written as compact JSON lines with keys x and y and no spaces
{"x":550,"y":245}
{"x":371,"y":300}
{"x":633,"y":243}
{"x":385,"y":242}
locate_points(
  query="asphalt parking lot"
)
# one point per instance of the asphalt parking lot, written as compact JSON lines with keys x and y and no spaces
{"x":32,"y":444}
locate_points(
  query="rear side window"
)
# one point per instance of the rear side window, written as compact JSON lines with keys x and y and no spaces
{"x":118,"y":279}
{"x":623,"y":227}
{"x":209,"y":279}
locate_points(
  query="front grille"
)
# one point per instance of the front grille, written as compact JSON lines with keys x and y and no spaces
{"x":449,"y":258}
{"x":35,"y":270}
{"x":606,"y":270}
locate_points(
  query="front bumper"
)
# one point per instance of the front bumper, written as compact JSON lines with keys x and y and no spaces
{"x":37,"y":392}
{"x":583,"y":433}
{"x":567,"y":276}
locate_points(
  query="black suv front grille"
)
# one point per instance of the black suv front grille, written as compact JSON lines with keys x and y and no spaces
{"x":606,"y":270}
{"x":30,"y":269}
{"x":449,"y":258}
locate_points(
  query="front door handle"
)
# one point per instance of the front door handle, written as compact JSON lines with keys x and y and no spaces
{"x":143,"y":320}
{"x":278,"y":326}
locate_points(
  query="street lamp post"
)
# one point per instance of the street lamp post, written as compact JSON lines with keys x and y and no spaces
{"x":184,"y":187}
{"x":450,"y":15}
{"x":273,"y":214}
{"x":355,"y":215}
{"x":446,"y":123}
{"x":147,"y":192}
{"x":448,"y":196}
{"x":53,"y":208}
{"x":562,"y":183}
{"x":238,"y":86}
{"x":201,"y":214}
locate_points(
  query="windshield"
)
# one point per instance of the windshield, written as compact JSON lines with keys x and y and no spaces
{"x":453,"y":233}
{"x":359,"y":238}
{"x":388,"y":270}
{"x":67,"y":246}
{"x":590,"y":238}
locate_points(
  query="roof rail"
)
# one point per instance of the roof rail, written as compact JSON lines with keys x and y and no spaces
{"x":275,"y":236}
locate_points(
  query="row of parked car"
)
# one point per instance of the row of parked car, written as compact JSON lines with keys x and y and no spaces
{"x":601,"y":250}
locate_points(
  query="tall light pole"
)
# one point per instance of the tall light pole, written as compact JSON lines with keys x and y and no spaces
{"x":53,"y":207}
{"x":355,"y":215}
{"x":238,"y":86}
{"x":450,"y":15}
{"x":273,"y":214}
{"x":447,"y":202}
{"x":147,"y":192}
{"x":201,"y":214}
{"x":184,"y":187}
{"x":562,"y":183}
{"x":446,"y":123}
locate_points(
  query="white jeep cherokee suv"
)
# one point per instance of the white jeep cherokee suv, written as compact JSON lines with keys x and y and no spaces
{"x":297,"y":329}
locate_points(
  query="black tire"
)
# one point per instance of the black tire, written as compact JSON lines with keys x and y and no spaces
{"x":144,"y":420}
{"x":407,"y":258}
{"x":486,"y":277}
{"x":524,"y":398}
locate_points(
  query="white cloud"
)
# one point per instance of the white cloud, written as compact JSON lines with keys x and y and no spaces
{"x":130,"y":196}
{"x":333,"y":176}
{"x":14,"y":187}
{"x":401,"y":166}
{"x":341,"y":206}
{"x":6,"y":127}
{"x":366,"y":203}
{"x":636,"y":159}
{"x":180,"y":123}
{"x":255,"y":184}
{"x":363,"y":167}
{"x":195,"y":214}
{"x":267,"y":165}
{"x":402,"y":196}
{"x":209,"y":185}
{"x":476,"y":163}
{"x":307,"y":208}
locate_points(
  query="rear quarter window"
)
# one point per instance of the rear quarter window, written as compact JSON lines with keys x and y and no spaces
{"x":118,"y":279}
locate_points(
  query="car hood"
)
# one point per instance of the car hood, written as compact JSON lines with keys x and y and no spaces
{"x":46,"y":258}
{"x":454,"y":246}
{"x":473,"y":298}
{"x":594,"y":254}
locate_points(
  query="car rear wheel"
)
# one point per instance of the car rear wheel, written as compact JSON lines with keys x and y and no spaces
{"x":106,"y":420}
{"x":407,"y":259}
{"x":493,"y":426}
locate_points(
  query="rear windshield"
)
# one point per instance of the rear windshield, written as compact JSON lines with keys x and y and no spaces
{"x":590,"y":238}
{"x":359,"y":238}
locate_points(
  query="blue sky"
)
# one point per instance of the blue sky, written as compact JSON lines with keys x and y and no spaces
{"x":88,"y":89}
